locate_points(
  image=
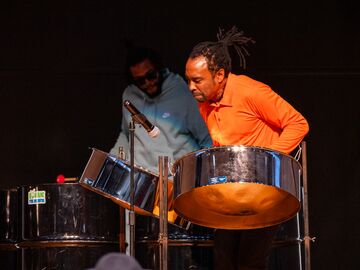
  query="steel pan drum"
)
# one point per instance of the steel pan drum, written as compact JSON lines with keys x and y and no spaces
{"x":65,"y":226}
{"x":187,"y":249}
{"x":67,"y":212}
{"x":9,"y":216}
{"x":182,"y":254}
{"x":109,"y":176}
{"x":287,"y":249}
{"x":10,"y":256}
{"x":236,"y":187}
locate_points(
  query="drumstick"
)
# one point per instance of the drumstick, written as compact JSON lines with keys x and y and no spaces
{"x":62,"y":179}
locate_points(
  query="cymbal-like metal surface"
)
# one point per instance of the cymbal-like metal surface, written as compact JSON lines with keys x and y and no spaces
{"x":236,"y":187}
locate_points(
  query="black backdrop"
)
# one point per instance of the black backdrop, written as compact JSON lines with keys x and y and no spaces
{"x":61,"y":78}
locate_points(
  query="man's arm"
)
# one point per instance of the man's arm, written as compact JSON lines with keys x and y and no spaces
{"x":279,"y":113}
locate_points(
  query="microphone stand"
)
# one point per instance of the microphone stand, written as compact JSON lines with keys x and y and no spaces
{"x":132,"y":188}
{"x":136,"y":117}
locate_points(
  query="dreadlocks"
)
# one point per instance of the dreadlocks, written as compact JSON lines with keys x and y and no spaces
{"x":217,"y":53}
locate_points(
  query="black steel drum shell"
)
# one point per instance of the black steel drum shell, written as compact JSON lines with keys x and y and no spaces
{"x":290,"y":232}
{"x":10,"y":257}
{"x":287,"y":257}
{"x":147,"y":228}
{"x":182,"y":254}
{"x":193,"y":249}
{"x":9,"y":216}
{"x":70,"y":212}
{"x":64,"y":257}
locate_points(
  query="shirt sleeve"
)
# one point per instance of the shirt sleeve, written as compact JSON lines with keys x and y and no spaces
{"x":278,"y":113}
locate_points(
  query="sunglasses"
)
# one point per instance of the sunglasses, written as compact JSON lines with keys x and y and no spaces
{"x":149,"y":76}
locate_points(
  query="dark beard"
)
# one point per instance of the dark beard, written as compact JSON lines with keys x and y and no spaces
{"x":158,"y":85}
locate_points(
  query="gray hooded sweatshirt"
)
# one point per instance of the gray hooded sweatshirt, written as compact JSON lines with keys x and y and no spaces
{"x":174,"y":111}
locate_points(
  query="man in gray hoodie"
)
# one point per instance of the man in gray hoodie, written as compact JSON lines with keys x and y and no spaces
{"x":165,"y":100}
{"x":163,"y":97}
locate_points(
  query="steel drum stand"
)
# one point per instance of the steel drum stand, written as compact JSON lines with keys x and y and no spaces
{"x":132,"y":189}
{"x":122,"y":211}
{"x":163,"y":212}
{"x":307,"y":239}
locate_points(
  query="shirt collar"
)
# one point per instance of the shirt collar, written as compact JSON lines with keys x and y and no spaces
{"x":226,"y":99}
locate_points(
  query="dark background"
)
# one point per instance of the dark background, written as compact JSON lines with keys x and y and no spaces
{"x":61,"y":79}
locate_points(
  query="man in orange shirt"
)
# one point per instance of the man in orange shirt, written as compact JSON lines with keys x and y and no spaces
{"x":239,"y":110}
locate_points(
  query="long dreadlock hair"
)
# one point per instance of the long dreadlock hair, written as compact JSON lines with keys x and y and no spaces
{"x":217,"y":53}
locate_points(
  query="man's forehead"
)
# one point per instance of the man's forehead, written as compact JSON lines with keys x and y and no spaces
{"x":196,"y":66}
{"x":142,"y":67}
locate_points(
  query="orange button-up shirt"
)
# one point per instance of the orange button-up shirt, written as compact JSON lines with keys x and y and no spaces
{"x":251,"y":113}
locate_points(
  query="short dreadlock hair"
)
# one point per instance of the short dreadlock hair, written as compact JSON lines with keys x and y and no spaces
{"x":136,"y":55}
{"x":217,"y":53}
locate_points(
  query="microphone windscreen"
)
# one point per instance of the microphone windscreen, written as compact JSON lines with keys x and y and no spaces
{"x":154,"y":132}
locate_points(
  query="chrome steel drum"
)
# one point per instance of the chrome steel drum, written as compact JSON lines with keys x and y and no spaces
{"x":10,"y":255}
{"x":64,"y":212}
{"x":65,"y":226}
{"x":147,"y":228}
{"x":236,"y":187}
{"x":9,"y":216}
{"x":109,"y":176}
{"x":287,"y":249}
{"x":182,"y":254}
{"x":187,"y":249}
{"x":63,"y":255}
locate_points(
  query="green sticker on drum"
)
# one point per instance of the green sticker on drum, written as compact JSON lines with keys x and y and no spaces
{"x":36,"y":197}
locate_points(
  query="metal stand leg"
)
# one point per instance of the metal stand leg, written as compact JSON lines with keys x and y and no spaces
{"x":163,"y":192}
{"x":132,"y":191}
{"x":122,"y":237}
{"x":307,"y":238}
{"x":122,"y":214}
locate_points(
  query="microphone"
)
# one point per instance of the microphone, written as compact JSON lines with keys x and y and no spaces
{"x":152,"y":130}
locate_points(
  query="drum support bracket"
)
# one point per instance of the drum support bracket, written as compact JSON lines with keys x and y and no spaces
{"x":163,"y":192}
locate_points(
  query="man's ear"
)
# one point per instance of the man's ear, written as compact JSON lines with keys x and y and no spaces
{"x":220,"y":75}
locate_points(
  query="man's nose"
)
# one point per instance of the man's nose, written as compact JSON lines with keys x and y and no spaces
{"x":191,"y":86}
